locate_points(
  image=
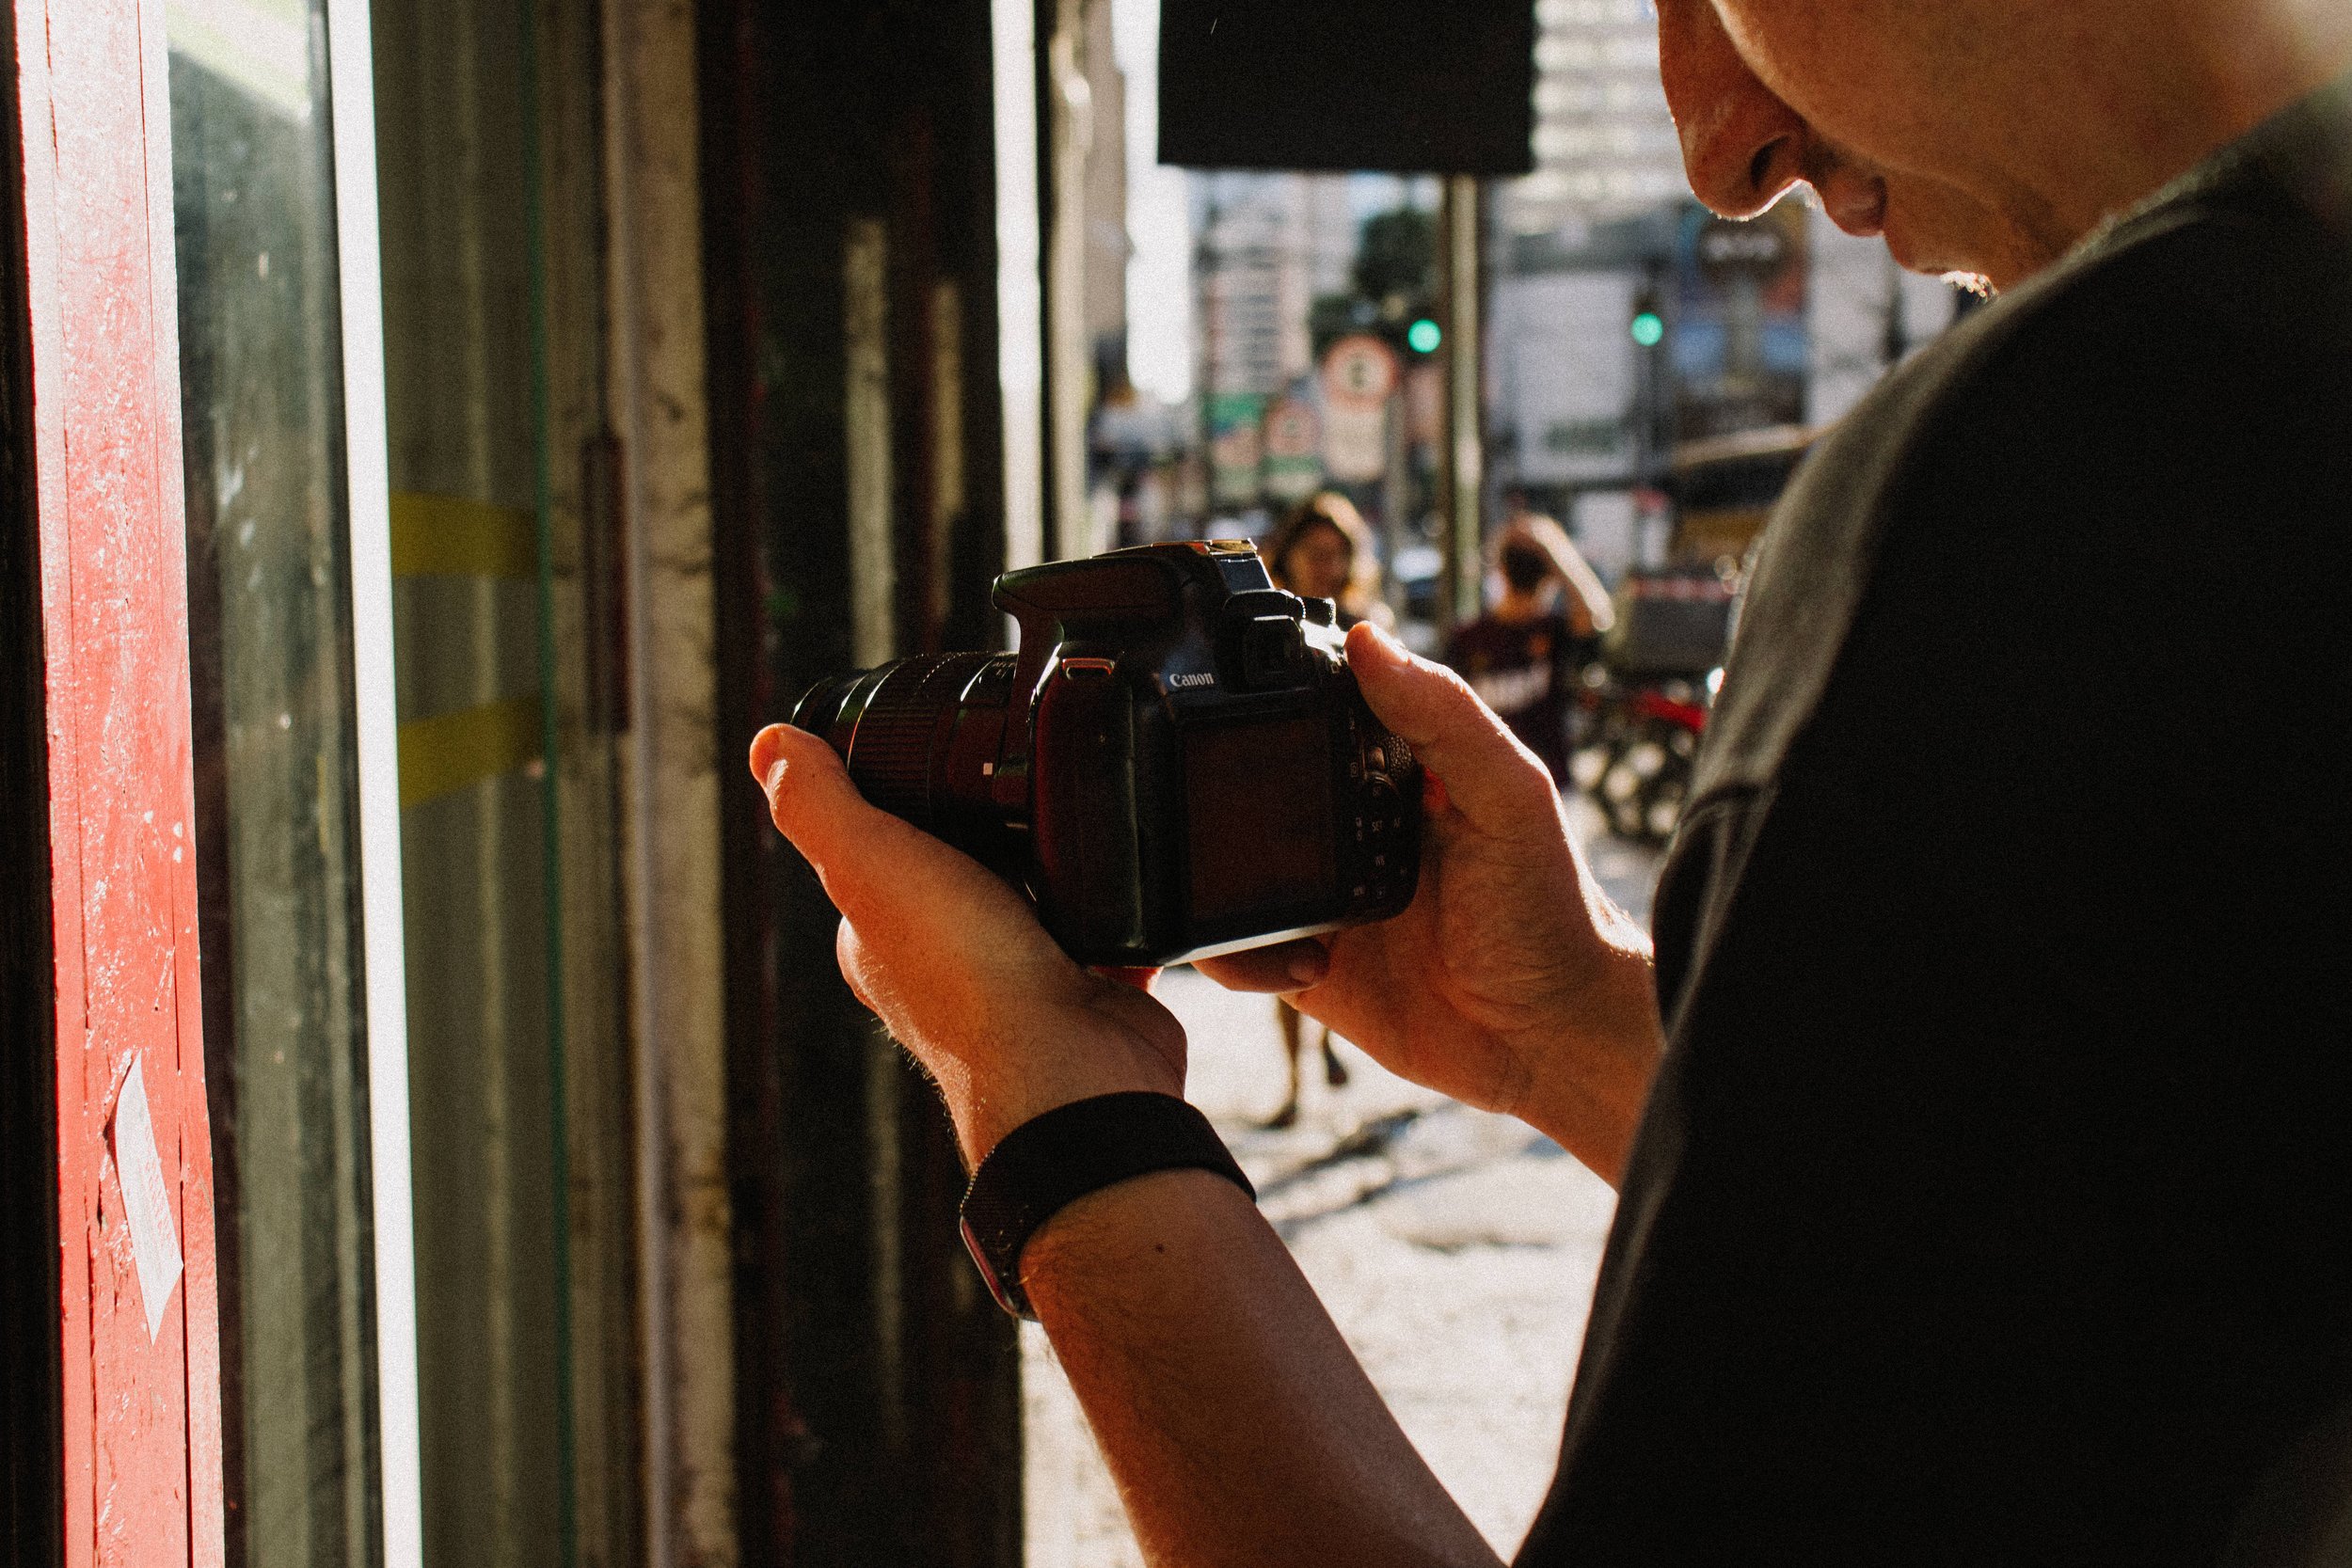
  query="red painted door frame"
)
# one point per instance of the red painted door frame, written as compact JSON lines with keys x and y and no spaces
{"x":139,"y":1334}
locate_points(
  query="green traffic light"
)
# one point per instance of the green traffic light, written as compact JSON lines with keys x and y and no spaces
{"x":1423,"y":336}
{"x":1649,"y":330}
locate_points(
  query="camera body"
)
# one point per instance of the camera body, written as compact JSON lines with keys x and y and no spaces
{"x":1176,"y":763}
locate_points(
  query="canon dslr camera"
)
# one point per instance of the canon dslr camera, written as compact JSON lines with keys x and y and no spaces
{"x":1176,"y":763}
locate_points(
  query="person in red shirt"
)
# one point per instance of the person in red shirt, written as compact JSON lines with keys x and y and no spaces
{"x":1527,"y":655}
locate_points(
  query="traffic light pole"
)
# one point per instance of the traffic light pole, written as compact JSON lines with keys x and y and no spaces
{"x":1460,"y":235}
{"x":1649,"y":330}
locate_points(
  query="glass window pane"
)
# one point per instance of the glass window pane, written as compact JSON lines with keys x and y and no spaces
{"x":261,"y":375}
{"x":455,"y":122}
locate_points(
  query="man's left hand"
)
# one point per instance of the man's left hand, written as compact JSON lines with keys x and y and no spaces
{"x":954,"y":961}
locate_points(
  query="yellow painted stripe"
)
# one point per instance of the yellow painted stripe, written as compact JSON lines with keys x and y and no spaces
{"x":437,"y":536}
{"x":454,"y":751}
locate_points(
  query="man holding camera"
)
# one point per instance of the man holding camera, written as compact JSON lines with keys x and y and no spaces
{"x":1983,"y":1131}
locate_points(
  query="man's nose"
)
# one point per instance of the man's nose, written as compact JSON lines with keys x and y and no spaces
{"x":1742,"y":146}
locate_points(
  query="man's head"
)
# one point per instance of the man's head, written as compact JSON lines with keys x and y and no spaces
{"x":1978,"y":135}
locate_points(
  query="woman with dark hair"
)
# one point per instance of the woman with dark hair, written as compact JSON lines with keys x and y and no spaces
{"x":1322,"y":550}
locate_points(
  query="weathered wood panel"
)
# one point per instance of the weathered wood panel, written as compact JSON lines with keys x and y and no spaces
{"x":139,"y":1337}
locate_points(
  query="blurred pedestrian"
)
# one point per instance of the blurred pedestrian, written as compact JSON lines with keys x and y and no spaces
{"x":1526,"y":657}
{"x":1321,"y":549}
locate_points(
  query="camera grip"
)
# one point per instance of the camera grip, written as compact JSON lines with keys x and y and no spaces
{"x":1086,"y":846}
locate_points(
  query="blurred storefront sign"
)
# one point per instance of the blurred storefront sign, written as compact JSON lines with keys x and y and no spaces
{"x":1293,"y":437}
{"x":1359,"y":376}
{"x":1569,"y":373}
{"x":1739,"y":338}
{"x":1237,"y":447}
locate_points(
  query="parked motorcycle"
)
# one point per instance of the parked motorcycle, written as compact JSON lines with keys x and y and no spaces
{"x":1648,"y":698}
{"x":1648,"y":739}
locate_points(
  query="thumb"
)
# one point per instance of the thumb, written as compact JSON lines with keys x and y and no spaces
{"x":813,"y":803}
{"x":1455,"y":736}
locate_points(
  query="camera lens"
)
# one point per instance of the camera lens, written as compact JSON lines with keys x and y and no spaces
{"x":922,"y":737}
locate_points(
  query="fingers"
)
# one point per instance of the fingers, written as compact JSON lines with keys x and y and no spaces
{"x":1457,"y":736}
{"x":850,"y":841}
{"x":1283,"y":968}
{"x":1141,"y":979}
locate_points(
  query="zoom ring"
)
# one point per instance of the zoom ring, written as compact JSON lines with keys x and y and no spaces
{"x":890,"y":759}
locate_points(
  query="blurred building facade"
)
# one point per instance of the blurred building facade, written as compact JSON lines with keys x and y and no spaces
{"x":1605,"y":143}
{"x":1654,"y":372}
{"x":1268,"y":245}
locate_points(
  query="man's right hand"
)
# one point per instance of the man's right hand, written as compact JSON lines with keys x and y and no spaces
{"x":1513,"y":983}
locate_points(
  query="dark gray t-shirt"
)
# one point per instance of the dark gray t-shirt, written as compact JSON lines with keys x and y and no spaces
{"x":1995,"y":1202}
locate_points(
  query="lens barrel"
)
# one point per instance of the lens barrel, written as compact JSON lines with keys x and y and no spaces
{"x":919,"y":737}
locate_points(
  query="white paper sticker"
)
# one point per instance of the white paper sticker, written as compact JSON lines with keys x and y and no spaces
{"x":146,"y":1199}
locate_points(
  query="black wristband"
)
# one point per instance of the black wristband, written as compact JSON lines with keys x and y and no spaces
{"x":1052,"y":1160}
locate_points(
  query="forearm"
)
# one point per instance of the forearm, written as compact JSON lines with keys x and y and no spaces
{"x":1594,"y":1113}
{"x":1585,"y":1085}
{"x":1236,"y":1422}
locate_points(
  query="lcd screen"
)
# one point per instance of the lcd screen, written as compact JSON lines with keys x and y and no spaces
{"x":1258,"y":798}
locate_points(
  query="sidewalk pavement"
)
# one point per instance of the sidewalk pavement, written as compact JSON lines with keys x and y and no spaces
{"x":1455,"y":1250}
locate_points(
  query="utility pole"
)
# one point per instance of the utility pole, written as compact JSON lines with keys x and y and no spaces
{"x":1648,"y":329}
{"x":1461,"y":233}
{"x":1204,"y":270}
{"x":1395,"y":490}
{"x":1069,"y":361}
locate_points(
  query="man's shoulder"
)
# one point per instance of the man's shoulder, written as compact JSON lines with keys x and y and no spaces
{"x":2149,"y":349}
{"x":2175,"y":393}
{"x":2173,"y":397}
{"x":2233,"y":302}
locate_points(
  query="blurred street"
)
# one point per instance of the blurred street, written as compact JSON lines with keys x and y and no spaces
{"x":1455,"y":1250}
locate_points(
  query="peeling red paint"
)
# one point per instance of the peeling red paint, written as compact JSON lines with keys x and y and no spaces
{"x":141,"y":1462}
